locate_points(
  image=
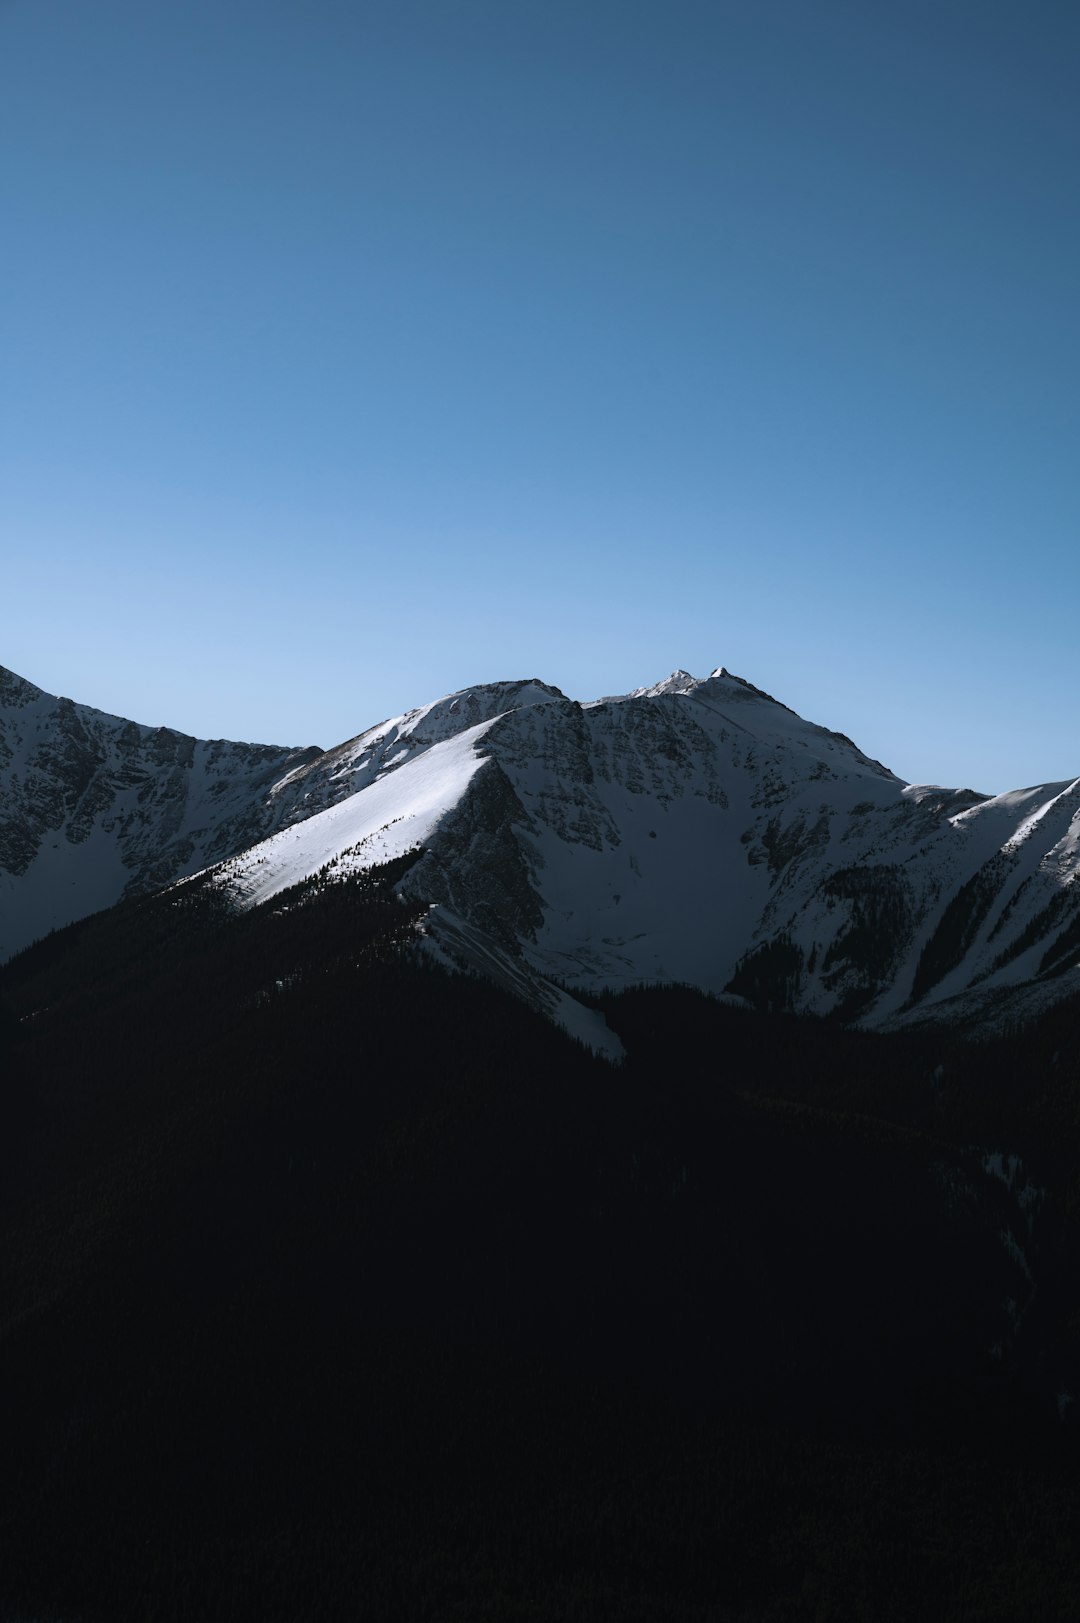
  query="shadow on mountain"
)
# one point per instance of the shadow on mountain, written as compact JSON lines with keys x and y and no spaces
{"x":335,"y":1285}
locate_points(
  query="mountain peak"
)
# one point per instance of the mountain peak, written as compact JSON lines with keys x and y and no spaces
{"x":679,"y":681}
{"x":682,"y":681}
{"x":16,"y":691}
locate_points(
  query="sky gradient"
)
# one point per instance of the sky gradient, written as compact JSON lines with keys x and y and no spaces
{"x":354,"y":352}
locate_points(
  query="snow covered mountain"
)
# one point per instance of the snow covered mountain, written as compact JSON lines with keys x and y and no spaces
{"x":93,"y":807}
{"x":695,"y":830}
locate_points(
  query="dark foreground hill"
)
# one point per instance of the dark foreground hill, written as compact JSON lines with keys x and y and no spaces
{"x":336,"y":1286}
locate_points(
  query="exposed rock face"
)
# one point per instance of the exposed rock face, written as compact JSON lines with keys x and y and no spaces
{"x":93,"y":807}
{"x":695,"y":831}
{"x":477,"y":866}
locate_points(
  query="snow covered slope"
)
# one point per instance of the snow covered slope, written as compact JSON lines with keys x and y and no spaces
{"x":388,"y":816}
{"x":693,"y":830}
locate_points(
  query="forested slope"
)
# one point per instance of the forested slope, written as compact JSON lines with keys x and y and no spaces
{"x":328,"y":1275}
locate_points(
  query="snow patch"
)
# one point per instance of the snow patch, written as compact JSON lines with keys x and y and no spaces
{"x":383,"y":821}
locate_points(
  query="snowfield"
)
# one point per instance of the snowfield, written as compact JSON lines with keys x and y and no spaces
{"x":397,"y":812}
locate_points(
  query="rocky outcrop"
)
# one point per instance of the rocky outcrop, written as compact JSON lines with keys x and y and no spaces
{"x":93,"y":806}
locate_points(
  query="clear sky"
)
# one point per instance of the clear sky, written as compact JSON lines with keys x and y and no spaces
{"x":352,"y":351}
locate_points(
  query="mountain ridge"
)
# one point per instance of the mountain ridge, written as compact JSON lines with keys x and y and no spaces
{"x":696,"y":830}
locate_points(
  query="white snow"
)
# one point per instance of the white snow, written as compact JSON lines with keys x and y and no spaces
{"x":1064,"y":793}
{"x":383,"y":821}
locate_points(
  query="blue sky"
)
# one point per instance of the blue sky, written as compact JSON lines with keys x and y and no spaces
{"x":354,"y":352}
